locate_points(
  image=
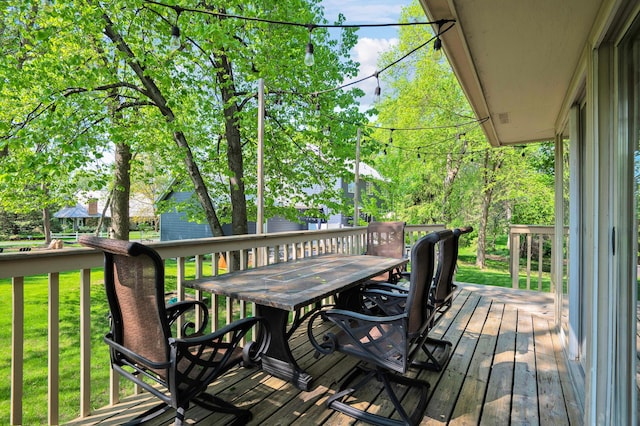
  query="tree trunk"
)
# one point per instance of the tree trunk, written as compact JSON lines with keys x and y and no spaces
{"x":199,"y":186}
{"x":104,"y":212}
{"x":46,"y":224}
{"x":239,"y":220}
{"x":120,"y":198}
{"x":482,"y":230}
{"x":153,"y":93}
{"x":484,"y":217}
{"x":453,"y":168}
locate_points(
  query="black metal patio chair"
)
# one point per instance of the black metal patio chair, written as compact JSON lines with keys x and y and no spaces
{"x":386,"y":239}
{"x":441,"y":292}
{"x":387,"y":346}
{"x":174,"y":365}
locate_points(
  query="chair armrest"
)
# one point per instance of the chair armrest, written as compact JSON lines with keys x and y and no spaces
{"x":134,"y":357}
{"x":350,"y":323}
{"x":176,"y":310}
{"x":228,"y":338}
{"x":351,"y":315}
{"x":385,"y":286}
{"x":388,"y":302}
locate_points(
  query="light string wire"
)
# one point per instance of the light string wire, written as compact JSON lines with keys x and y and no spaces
{"x":386,"y":67}
{"x":310,"y":26}
{"x":179,"y":9}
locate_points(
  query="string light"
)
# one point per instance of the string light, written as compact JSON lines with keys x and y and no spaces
{"x":175,"y":38}
{"x":175,"y":42}
{"x":437,"y":46}
{"x":376,"y":95}
{"x":309,"y":60}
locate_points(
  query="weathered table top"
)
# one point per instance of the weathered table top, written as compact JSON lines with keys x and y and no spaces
{"x":292,"y":285}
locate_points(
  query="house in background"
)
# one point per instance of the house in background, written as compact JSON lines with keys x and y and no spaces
{"x":174,"y":225}
{"x":569,"y":71}
{"x":80,"y":215}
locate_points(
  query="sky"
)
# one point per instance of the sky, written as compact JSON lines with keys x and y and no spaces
{"x":371,"y":41}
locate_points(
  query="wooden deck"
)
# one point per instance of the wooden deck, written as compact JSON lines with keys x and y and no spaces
{"x":506,"y":368}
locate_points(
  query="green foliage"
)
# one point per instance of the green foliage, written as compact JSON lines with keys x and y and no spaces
{"x":440,"y":167}
{"x":70,"y":93}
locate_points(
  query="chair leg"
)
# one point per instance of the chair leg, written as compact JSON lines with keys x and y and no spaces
{"x":337,"y":401}
{"x":219,"y":405}
{"x":437,"y":352}
{"x":150,"y":414}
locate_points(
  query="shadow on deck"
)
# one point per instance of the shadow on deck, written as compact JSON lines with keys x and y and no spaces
{"x":506,"y":367}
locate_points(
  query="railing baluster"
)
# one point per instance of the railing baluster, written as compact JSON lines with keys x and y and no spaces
{"x":540,"y":260}
{"x":180,"y":267}
{"x":515,"y":260}
{"x":198,"y":293}
{"x":85,"y":342}
{"x":529,"y":240}
{"x":114,"y":387}
{"x":54,"y":347}
{"x":17,"y":350}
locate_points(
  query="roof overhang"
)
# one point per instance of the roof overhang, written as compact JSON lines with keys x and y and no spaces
{"x":516,"y":60}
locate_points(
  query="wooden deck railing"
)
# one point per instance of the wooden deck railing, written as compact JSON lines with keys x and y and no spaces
{"x":16,"y":266}
{"x":533,"y":243}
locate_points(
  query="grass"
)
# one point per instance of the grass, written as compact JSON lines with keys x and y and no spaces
{"x":38,"y":242}
{"x":496,"y":272}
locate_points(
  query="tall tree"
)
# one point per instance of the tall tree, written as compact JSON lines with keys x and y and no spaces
{"x":200,"y":93}
{"x":440,"y":167}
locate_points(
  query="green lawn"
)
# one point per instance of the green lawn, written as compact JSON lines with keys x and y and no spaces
{"x":496,"y":272}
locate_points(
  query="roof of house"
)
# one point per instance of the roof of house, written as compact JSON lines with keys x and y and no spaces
{"x":76,"y":212}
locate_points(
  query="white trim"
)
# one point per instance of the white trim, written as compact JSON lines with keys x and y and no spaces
{"x":575,"y":228}
{"x":558,"y":239}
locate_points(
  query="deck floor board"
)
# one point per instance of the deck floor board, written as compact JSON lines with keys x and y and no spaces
{"x":506,"y":367}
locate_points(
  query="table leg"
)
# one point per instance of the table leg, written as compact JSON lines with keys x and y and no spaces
{"x":278,"y":359}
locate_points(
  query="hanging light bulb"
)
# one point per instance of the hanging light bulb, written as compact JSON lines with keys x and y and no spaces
{"x":376,"y":94}
{"x":437,"y":49}
{"x":309,"y":60}
{"x":437,"y":46}
{"x":175,"y":38}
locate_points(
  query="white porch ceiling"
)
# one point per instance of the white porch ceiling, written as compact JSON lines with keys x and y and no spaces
{"x":515,"y":59}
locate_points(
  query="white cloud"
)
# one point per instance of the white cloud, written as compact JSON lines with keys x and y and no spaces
{"x":371,"y":40}
{"x":367,"y":53}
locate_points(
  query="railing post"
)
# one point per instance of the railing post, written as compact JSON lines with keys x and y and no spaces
{"x":17,"y":350}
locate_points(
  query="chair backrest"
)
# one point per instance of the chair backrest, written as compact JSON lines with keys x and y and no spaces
{"x":447,"y":260}
{"x":422,"y":269}
{"x":385,"y":239}
{"x":134,"y":282}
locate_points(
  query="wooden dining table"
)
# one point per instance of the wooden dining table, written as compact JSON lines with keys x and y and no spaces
{"x":285,"y":287}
